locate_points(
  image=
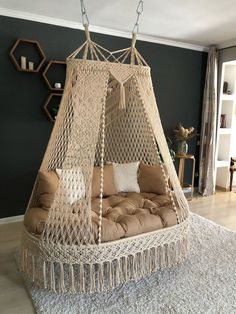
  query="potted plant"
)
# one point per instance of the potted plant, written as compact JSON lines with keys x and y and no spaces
{"x":182,"y":134}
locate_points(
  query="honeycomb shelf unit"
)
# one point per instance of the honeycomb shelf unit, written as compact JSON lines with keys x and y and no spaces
{"x":31,"y":50}
{"x":55,"y":72}
{"x":51,"y":106}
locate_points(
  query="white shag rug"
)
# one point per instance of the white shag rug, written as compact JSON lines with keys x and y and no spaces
{"x":204,"y":283}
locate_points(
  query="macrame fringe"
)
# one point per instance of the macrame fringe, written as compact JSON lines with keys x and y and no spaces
{"x":72,"y":288}
{"x":89,"y":278}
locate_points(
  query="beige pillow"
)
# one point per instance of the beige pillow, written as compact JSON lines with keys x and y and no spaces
{"x":126,"y":177}
{"x":72,"y":184}
{"x":47,"y":184}
{"x":151,"y":179}
{"x":109,"y":187}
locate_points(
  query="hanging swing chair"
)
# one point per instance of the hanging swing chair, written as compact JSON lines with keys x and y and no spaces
{"x":82,"y":231}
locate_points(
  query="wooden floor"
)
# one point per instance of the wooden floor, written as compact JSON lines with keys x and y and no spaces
{"x":221,"y":208}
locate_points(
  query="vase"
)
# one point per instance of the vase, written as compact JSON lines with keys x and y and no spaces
{"x":182,"y":148}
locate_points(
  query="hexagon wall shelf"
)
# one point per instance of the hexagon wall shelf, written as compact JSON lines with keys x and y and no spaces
{"x":55,"y":73}
{"x":51,"y":106}
{"x":31,"y":50}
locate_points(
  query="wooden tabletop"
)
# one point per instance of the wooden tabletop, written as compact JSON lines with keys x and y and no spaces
{"x":186,"y":156}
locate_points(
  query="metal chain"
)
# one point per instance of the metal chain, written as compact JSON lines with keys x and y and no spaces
{"x":139,"y":11}
{"x":85,"y":20}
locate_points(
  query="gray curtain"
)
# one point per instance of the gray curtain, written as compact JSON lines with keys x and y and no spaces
{"x":208,"y":128}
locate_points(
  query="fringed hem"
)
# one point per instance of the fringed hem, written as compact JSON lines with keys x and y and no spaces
{"x":99,"y":277}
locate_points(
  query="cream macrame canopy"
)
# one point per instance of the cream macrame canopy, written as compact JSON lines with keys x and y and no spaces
{"x":108,"y":113}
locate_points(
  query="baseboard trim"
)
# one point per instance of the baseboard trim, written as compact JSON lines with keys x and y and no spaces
{"x":221,"y":188}
{"x":12,"y":219}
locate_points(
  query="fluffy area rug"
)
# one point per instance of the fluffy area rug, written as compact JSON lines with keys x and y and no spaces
{"x":204,"y":283}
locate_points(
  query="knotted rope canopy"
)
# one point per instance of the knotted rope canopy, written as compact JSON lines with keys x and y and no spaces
{"x":108,"y":113}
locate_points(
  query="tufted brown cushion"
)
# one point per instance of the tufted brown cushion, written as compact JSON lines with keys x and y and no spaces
{"x":47,"y":184}
{"x":110,"y":230}
{"x":123,"y":215}
{"x":151,"y":179}
{"x":108,"y":181}
{"x":140,"y":222}
{"x":168,"y":216}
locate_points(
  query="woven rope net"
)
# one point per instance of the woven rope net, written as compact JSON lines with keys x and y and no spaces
{"x":108,"y":113}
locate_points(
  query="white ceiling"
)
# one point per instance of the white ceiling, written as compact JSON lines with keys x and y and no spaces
{"x":200,"y":22}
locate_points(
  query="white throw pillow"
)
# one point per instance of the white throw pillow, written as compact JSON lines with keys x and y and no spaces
{"x":126,"y":177}
{"x":72,"y":184}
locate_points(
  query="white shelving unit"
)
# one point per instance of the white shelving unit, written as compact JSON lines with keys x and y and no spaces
{"x":226,"y":137}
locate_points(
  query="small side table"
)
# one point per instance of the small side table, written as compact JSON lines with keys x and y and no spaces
{"x":181,"y":170}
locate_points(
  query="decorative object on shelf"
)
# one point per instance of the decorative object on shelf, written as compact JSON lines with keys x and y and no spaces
{"x":54,"y":111}
{"x":31,"y":49}
{"x":225,"y":87}
{"x":54,"y":75}
{"x":23,"y":62}
{"x":182,"y":148}
{"x":57,"y":85}
{"x":51,"y":106}
{"x":182,"y":135}
{"x":223,"y":119}
{"x":31,"y":65}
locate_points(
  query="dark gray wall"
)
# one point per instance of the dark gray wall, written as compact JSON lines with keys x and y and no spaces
{"x":178,"y":77}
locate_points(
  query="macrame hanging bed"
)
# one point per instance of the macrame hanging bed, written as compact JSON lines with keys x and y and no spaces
{"x":108,"y":116}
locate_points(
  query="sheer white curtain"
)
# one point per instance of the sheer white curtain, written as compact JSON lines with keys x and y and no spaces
{"x":208,"y":128}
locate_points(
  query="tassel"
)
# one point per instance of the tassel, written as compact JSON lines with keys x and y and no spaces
{"x":91,"y":278}
{"x":82,"y":288}
{"x":100,"y":278}
{"x":23,"y":260}
{"x":162,"y":256}
{"x":176,"y":252}
{"x":117,"y":272}
{"x":121,"y":273}
{"x":142,"y":261}
{"x":72,"y":279}
{"x":44,"y":275}
{"x":125,"y":269}
{"x":172,"y":258}
{"x":26,"y":261}
{"x":33,"y":267}
{"x":151,"y":260}
{"x":144,"y":265}
{"x":110,"y":275}
{"x":133,"y":267}
{"x":155,"y":259}
{"x":62,"y":283}
{"x":139,"y":267}
{"x":52,"y":277}
{"x":122,"y":97}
